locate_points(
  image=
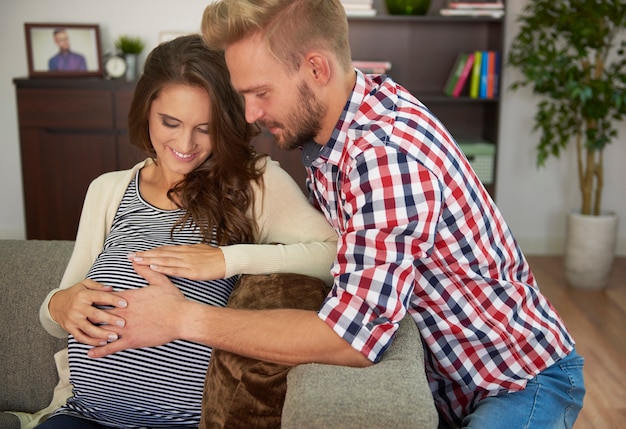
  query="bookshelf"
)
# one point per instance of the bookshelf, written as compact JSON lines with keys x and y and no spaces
{"x":422,"y":51}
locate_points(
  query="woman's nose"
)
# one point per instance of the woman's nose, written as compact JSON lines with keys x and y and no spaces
{"x":187,"y":142}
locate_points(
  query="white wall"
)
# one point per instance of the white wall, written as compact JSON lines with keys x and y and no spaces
{"x":533,"y":201}
{"x":145,"y":18}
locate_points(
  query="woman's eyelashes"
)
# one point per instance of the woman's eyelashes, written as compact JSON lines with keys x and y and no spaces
{"x":169,"y":122}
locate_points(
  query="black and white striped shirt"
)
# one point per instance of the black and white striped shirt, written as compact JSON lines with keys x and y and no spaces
{"x":148,"y":387}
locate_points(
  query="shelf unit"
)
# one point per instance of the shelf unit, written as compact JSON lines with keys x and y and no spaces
{"x":422,"y":51}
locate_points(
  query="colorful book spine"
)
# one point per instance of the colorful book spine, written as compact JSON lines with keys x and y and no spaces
{"x":488,"y":13}
{"x":484,"y":67}
{"x":476,"y":5}
{"x":475,"y":79}
{"x":496,"y":79}
{"x":465,"y":73}
{"x":455,"y":73}
{"x":491,"y":73}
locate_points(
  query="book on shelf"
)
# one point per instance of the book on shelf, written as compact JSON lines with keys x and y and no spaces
{"x":360,"y":12}
{"x":497,"y":74}
{"x":465,"y":74}
{"x":479,"y":4}
{"x":485,"y":75}
{"x":488,"y":13}
{"x":359,"y":7}
{"x":459,"y":74}
{"x":484,"y":67}
{"x":491,"y":71}
{"x":455,"y":73}
{"x":475,"y":78}
{"x":372,"y":67}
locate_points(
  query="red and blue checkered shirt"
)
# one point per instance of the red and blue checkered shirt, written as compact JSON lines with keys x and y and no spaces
{"x":419,"y":233}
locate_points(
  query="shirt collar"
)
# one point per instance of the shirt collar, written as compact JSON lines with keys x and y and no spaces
{"x":331,"y":151}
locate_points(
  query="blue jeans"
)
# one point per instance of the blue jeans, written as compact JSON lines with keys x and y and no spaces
{"x":63,"y":421}
{"x":551,"y":400}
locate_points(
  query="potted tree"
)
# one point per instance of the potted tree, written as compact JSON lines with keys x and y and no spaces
{"x":571,"y":53}
{"x":131,"y":47}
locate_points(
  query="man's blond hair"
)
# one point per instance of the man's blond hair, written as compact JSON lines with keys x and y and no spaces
{"x":291,"y":28}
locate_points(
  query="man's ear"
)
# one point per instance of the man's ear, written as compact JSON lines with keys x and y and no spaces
{"x":317,"y":68}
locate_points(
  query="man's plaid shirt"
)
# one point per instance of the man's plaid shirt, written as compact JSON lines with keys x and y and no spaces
{"x":418,"y":233}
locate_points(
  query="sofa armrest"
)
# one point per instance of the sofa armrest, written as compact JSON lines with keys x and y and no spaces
{"x":29,"y":269}
{"x":9,"y":421}
{"x":391,"y":393}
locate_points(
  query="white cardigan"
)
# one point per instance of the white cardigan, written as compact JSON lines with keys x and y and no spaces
{"x":282,"y":213}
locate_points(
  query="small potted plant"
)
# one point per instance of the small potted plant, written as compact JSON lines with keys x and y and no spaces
{"x":571,"y":53}
{"x":131,"y":47}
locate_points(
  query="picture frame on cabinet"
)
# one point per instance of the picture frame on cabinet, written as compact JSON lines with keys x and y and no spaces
{"x":63,"y":50}
{"x":166,"y":36}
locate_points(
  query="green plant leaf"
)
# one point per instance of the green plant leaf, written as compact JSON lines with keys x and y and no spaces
{"x":130,"y":44}
{"x":571,"y":54}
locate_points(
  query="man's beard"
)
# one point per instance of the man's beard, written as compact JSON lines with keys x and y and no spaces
{"x":303,"y":124}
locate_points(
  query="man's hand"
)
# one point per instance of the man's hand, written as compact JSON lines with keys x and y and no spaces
{"x":195,"y":261}
{"x":73,"y":309}
{"x":152,"y":315}
{"x":159,"y":313}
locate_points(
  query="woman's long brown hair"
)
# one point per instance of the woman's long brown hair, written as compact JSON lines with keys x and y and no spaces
{"x":217,"y":195}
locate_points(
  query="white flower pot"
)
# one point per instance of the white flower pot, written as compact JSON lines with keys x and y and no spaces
{"x":590,"y":249}
{"x":131,"y":66}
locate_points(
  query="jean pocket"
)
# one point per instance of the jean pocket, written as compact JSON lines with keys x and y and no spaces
{"x":572,"y":367}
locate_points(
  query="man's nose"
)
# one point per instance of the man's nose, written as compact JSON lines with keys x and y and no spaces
{"x":254,"y":112}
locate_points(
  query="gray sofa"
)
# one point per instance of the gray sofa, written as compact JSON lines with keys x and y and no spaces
{"x":392,"y":393}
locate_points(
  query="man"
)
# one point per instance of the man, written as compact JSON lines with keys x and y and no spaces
{"x":418,"y":234}
{"x":65,"y":60}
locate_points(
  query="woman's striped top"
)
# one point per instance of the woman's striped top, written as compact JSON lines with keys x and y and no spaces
{"x":148,"y":387}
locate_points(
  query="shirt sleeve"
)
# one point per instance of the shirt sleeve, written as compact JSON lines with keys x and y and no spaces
{"x":293,"y":237}
{"x":388,"y":220}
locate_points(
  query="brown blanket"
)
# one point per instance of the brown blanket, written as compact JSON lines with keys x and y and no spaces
{"x":240,"y":392}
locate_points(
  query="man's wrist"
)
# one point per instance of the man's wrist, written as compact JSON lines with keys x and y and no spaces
{"x":191,"y":321}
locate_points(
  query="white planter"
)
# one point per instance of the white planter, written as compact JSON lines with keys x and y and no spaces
{"x":590,"y":249}
{"x":131,"y":66}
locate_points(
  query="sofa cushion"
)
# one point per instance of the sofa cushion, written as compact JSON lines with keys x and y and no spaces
{"x":240,"y":392}
{"x":29,"y":269}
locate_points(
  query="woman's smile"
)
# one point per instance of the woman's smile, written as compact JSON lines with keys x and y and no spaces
{"x":179,"y":129}
{"x":183,"y":156}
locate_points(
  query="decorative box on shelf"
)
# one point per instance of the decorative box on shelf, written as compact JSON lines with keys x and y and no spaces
{"x":481,"y":157}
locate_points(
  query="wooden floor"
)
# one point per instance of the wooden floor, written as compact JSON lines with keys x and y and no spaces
{"x":597,"y":321}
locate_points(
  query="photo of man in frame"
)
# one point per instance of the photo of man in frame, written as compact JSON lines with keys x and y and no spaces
{"x":65,"y":59}
{"x":63,"y":50}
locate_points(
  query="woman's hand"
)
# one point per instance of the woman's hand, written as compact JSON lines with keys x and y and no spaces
{"x":195,"y":261}
{"x":153,"y":315}
{"x":74,"y":310}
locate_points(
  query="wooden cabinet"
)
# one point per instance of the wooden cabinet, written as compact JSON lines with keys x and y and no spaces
{"x":71,"y":131}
